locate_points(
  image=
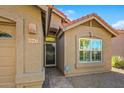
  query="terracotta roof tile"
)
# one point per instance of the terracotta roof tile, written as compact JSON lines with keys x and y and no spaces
{"x":120,"y":31}
{"x":57,"y":10}
{"x":76,"y":20}
{"x":50,"y":6}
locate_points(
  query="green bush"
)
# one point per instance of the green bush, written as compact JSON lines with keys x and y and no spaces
{"x":118,"y":62}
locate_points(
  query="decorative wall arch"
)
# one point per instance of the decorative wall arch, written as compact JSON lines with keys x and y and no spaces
{"x":19,"y":39}
{"x":5,"y":35}
{"x":88,"y":36}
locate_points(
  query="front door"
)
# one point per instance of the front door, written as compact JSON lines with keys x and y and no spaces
{"x":50,"y":54}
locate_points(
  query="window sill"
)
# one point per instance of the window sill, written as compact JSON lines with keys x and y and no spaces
{"x":94,"y":64}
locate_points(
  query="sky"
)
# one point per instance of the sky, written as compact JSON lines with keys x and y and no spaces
{"x":112,"y":14}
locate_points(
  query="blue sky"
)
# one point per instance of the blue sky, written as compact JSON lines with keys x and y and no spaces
{"x":112,"y":14}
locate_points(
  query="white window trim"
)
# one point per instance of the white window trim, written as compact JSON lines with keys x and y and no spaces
{"x":90,"y":51}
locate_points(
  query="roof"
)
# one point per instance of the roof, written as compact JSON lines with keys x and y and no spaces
{"x":120,"y":31}
{"x":83,"y":19}
{"x":55,"y":10}
{"x":43,"y":7}
{"x":59,"y":13}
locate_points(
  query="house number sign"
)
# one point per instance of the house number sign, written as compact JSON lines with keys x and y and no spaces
{"x":33,"y":40}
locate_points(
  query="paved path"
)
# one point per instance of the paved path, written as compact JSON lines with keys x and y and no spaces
{"x":112,"y":79}
{"x":55,"y":79}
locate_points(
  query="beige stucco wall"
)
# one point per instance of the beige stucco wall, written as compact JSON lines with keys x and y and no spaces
{"x":118,"y":45}
{"x":30,"y":69}
{"x":60,"y":53}
{"x":55,"y":21}
{"x":7,"y":56}
{"x":72,"y":66}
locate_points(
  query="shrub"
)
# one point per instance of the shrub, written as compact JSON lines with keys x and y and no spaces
{"x":118,"y":62}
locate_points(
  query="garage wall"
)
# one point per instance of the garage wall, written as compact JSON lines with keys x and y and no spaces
{"x":7,"y":56}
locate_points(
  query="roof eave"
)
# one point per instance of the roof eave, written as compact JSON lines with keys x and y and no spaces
{"x":60,"y":15}
{"x":43,"y":7}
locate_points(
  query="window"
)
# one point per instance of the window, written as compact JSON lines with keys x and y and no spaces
{"x":90,"y":50}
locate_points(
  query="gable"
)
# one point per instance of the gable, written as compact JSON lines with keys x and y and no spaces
{"x":86,"y":23}
{"x":91,"y":20}
{"x":93,"y":23}
{"x":96,"y":24}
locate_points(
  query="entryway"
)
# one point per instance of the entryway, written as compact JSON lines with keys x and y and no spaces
{"x":53,"y":77}
{"x":50,"y":54}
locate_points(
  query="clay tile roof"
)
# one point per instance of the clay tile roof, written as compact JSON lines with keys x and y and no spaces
{"x":77,"y":20}
{"x":51,"y":6}
{"x":59,"y":11}
{"x":88,"y":16}
{"x":120,"y":31}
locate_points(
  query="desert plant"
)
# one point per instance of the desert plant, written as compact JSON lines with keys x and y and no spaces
{"x":118,"y":62}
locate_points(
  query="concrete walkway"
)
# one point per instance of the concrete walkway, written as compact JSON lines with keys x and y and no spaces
{"x":112,"y":79}
{"x":55,"y":79}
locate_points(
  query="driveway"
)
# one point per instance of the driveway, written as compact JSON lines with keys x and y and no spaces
{"x":113,"y":79}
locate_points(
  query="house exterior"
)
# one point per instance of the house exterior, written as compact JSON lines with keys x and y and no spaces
{"x":21,"y":57}
{"x":23,"y":35}
{"x":118,"y":45}
{"x":76,"y":56}
{"x":35,"y":37}
{"x":92,"y":58}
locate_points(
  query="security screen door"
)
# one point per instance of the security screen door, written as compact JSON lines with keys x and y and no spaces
{"x":50,"y":54}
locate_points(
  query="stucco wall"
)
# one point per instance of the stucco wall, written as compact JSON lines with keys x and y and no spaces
{"x":7,"y":56}
{"x":55,"y":21}
{"x":118,"y":45}
{"x":60,"y":53}
{"x":32,"y":68}
{"x":71,"y":51}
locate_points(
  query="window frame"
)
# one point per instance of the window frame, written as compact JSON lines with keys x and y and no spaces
{"x":90,"y":50}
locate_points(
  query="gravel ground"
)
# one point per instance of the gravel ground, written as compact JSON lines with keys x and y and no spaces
{"x":113,"y":79}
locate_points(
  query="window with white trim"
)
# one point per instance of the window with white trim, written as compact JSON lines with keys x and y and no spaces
{"x":90,"y":50}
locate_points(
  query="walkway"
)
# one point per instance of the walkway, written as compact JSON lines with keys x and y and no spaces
{"x":112,"y":79}
{"x":55,"y":79}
